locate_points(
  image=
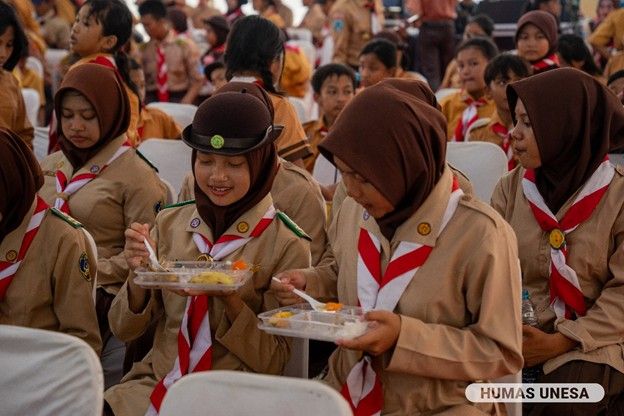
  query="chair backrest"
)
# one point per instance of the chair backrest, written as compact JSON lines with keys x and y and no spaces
{"x":483,"y":163}
{"x":35,"y":65}
{"x":171,"y":157}
{"x":444,"y":92}
{"x":182,"y":113}
{"x":32,"y":102}
{"x":48,"y":373}
{"x":324,"y":172}
{"x":300,"y":108}
{"x":41,"y":140}
{"x":234,"y":393}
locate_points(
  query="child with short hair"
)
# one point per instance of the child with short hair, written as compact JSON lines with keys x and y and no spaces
{"x":463,"y":108}
{"x":13,"y":43}
{"x":536,"y":40}
{"x":502,"y":70}
{"x":378,"y":60}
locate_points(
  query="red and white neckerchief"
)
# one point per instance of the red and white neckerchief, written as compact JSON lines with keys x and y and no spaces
{"x":566,"y":296}
{"x":377,"y":290}
{"x":194,"y":339}
{"x":161,"y":75}
{"x":549,"y":62}
{"x":67,"y":188}
{"x":503,"y":132}
{"x":469,"y":116}
{"x":9,"y":269}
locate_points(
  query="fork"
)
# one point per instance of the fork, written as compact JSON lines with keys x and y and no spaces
{"x":152,"y":257}
{"x":316,"y":305}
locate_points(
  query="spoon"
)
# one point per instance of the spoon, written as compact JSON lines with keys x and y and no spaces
{"x":152,"y":257}
{"x":316,"y":305}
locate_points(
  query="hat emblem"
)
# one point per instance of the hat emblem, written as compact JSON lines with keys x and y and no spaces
{"x":217,"y":141}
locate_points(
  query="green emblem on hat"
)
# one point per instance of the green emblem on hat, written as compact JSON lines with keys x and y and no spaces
{"x":217,"y":141}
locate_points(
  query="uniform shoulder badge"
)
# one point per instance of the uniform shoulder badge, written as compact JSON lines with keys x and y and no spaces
{"x":142,"y":156}
{"x":338,"y":25}
{"x":83,"y":265}
{"x":180,"y":204}
{"x":70,"y":220}
{"x":293,"y":226}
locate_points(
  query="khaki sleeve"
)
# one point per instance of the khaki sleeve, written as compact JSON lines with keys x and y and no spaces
{"x":604,"y":322}
{"x":340,"y":24}
{"x":139,"y":206}
{"x":499,"y":198}
{"x":73,"y":291}
{"x":191,"y":62}
{"x":491,"y":346}
{"x":269,"y":353}
{"x":170,"y":129}
{"x":604,"y":33}
{"x":292,"y":144}
{"x":187,"y":192}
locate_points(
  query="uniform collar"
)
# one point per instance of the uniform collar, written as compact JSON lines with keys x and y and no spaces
{"x":13,"y":241}
{"x":96,"y":163}
{"x":427,"y":220}
{"x":242,"y":227}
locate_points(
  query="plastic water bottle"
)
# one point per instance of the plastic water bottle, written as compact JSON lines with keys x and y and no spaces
{"x":530,"y":374}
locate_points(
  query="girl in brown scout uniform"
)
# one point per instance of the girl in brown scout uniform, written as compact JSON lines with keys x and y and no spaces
{"x":446,"y":313}
{"x":99,"y":179}
{"x":565,"y":204}
{"x":234,"y":162}
{"x":46,"y":268}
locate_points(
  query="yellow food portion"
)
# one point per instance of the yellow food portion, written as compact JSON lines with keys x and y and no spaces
{"x":218,"y":278}
{"x":333,"y":306}
{"x":276,"y":319}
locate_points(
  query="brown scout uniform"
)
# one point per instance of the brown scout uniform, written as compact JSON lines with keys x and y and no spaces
{"x":127,"y":191}
{"x":53,"y":288}
{"x":315,"y":131}
{"x":12,"y":108}
{"x":314,"y":20}
{"x":460,"y":315}
{"x":351,"y":28}
{"x":237,"y":345}
{"x":595,"y":254}
{"x":156,"y":124}
{"x":453,"y":107}
{"x":295,"y":193}
{"x":182,"y":64}
{"x":291,"y":144}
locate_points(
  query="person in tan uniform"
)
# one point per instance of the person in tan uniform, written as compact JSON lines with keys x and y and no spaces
{"x":234,"y":162}
{"x":445,"y":320}
{"x":53,"y":284}
{"x":94,"y":179}
{"x":314,"y":20}
{"x":565,"y":204}
{"x":255,"y":53}
{"x":353,"y":24}
{"x":13,"y":43}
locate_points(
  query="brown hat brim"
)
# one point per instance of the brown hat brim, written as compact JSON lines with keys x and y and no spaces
{"x":231,"y":146}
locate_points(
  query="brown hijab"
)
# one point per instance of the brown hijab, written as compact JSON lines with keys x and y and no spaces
{"x":414,"y":87}
{"x":103,"y":88}
{"x":20,"y":179}
{"x":545,"y":22}
{"x":399,"y":147}
{"x":576,"y":122}
{"x":237,"y":116}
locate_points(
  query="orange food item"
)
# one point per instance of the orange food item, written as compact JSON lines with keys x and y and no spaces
{"x":239,"y":265}
{"x":333,"y":306}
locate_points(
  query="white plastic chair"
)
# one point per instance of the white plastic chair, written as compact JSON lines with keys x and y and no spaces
{"x":41,"y":141}
{"x":300,"y":108}
{"x":32,"y":102}
{"x":234,"y":393}
{"x":324,"y":172}
{"x":445,"y":92}
{"x":35,"y":65}
{"x":182,"y":113}
{"x":172,"y":158}
{"x":483,"y":163}
{"x":48,"y":373}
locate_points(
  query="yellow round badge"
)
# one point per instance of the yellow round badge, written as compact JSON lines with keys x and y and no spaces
{"x":242,"y":227}
{"x":217,"y":141}
{"x":424,"y":228}
{"x":556,"y":238}
{"x":205,"y":257}
{"x":11,"y":255}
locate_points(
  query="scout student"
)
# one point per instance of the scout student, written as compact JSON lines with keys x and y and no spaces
{"x":444,"y":318}
{"x":609,"y":35}
{"x":215,"y":74}
{"x":463,"y":108}
{"x":501,"y":71}
{"x":296,"y":72}
{"x":234,"y":162}
{"x":572,"y":51}
{"x":153,"y":123}
{"x":378,"y":60}
{"x":334,"y":86}
{"x":255,"y":53}
{"x":101,"y":29}
{"x":46,"y":266}
{"x":54,"y":29}
{"x":565,"y":205}
{"x":217,"y":29}
{"x":536,"y":40}
{"x":13,"y":43}
{"x":353,"y":24}
{"x":93,"y":178}
{"x":171,"y":68}
{"x":268,"y":10}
